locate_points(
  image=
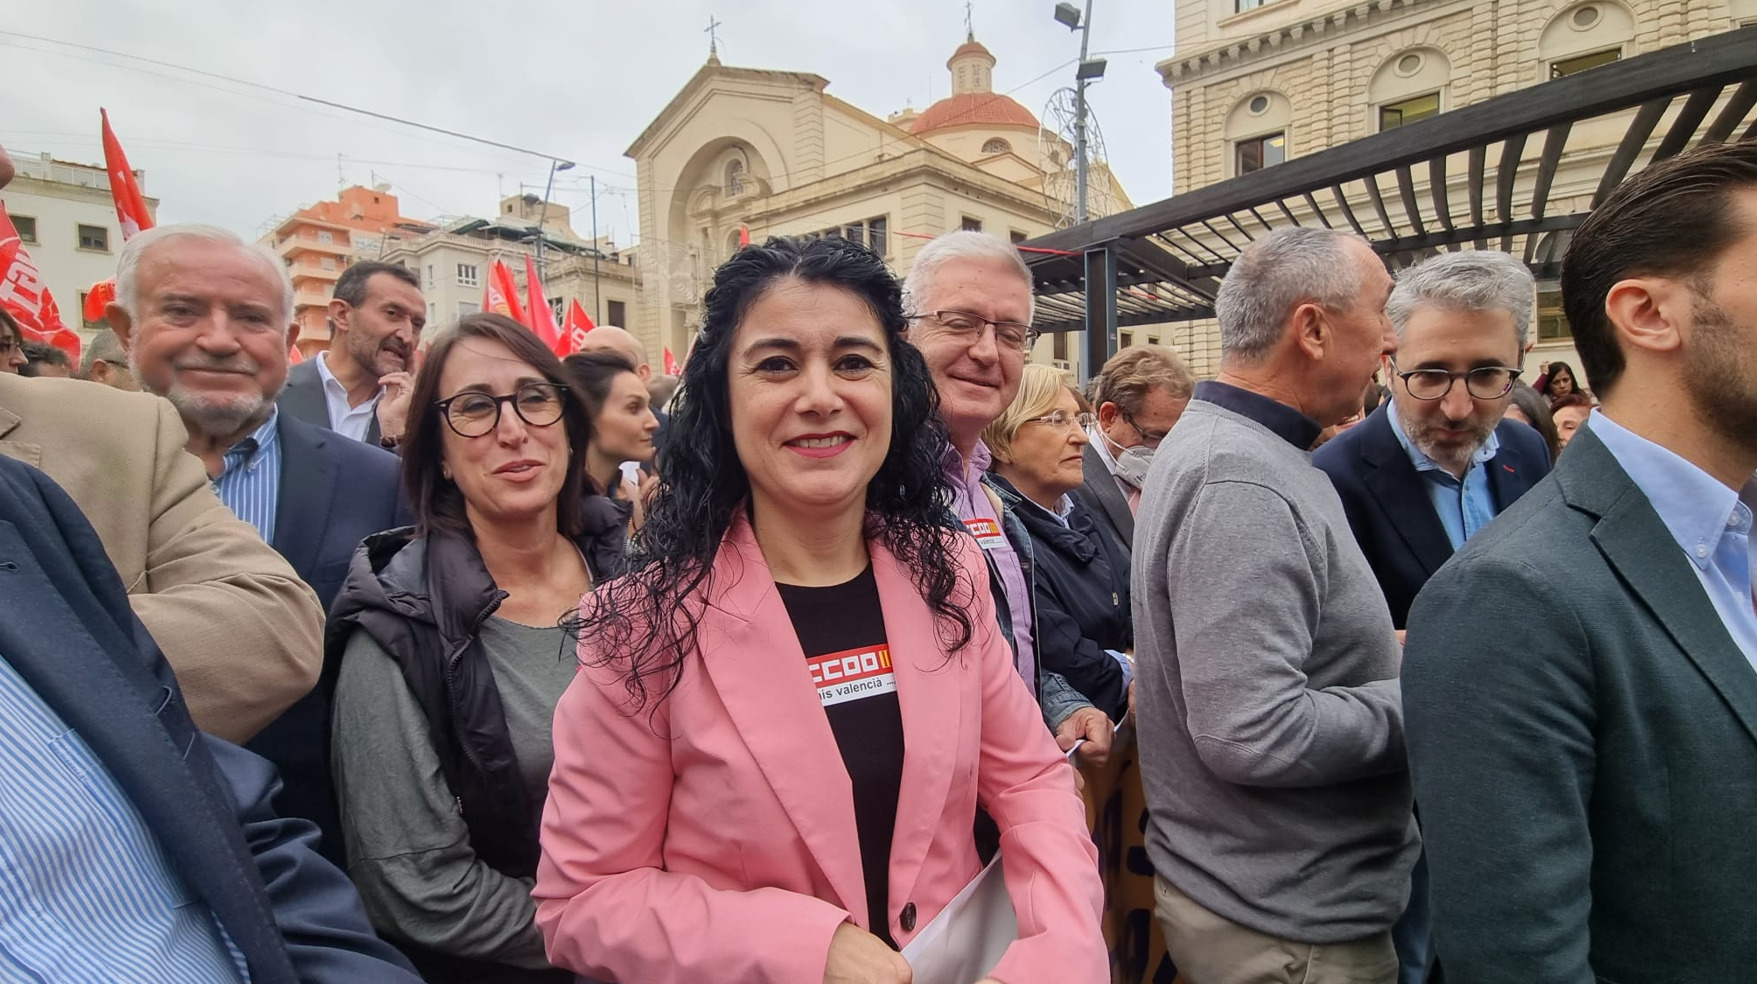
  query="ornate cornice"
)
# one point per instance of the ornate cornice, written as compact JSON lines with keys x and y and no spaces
{"x":1321,"y":28}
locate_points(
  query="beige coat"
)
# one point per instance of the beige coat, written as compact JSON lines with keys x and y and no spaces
{"x":243,"y":633}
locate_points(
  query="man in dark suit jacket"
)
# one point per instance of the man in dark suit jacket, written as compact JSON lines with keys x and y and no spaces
{"x":1430,"y":468}
{"x":367,"y":374}
{"x":66,"y":631}
{"x":1426,"y":470}
{"x":1136,"y":399}
{"x":312,"y":493}
{"x":1389,"y":508}
{"x":334,"y":493}
{"x":1579,"y":687}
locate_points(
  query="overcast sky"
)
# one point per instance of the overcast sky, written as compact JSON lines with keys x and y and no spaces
{"x":578,"y":79}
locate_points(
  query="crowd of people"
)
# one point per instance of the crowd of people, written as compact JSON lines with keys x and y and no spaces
{"x":437,"y":657}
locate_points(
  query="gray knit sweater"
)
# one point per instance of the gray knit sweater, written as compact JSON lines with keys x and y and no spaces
{"x":1270,"y":721}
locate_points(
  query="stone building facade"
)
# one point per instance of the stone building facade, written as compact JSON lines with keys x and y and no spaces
{"x":1256,"y":83}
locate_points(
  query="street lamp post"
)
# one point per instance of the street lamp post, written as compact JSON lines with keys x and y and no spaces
{"x":1090,"y":70}
{"x":543,"y":213}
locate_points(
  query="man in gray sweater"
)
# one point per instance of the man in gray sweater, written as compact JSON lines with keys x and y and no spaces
{"x":1271,"y":726}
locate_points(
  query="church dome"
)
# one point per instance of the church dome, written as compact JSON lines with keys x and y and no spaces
{"x":978,"y":108}
{"x":973,"y":101}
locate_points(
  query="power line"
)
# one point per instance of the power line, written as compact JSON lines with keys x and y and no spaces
{"x":300,"y":96}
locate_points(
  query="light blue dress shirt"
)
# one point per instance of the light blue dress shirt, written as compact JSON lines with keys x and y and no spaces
{"x":250,"y":478}
{"x":1464,"y":506}
{"x":1711,"y":522}
{"x":86,"y":893}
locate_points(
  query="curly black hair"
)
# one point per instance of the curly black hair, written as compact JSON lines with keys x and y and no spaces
{"x":641,"y":620}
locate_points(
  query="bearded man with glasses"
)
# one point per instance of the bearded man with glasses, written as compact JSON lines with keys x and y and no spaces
{"x":1430,"y":468}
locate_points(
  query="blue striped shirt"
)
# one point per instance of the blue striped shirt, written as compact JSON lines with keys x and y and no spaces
{"x":250,"y":477}
{"x":86,"y":893}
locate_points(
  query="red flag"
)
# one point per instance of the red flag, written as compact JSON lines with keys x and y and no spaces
{"x":25,"y":297}
{"x":743,"y":236}
{"x":293,"y":355}
{"x":124,"y":189}
{"x":573,"y":330}
{"x":101,"y":296}
{"x":671,"y":366}
{"x":541,"y":314}
{"x":500,"y":294}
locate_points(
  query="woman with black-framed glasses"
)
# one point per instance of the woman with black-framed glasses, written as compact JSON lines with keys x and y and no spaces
{"x":450,"y":650}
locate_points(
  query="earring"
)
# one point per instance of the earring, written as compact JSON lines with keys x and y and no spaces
{"x":445,"y":472}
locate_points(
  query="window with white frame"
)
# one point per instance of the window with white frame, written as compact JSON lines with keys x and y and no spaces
{"x":467,"y":275}
{"x":1256,"y":131}
{"x":1409,"y":86}
{"x":1585,"y":36}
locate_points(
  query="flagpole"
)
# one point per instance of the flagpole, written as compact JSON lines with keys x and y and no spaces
{"x":597,"y":289}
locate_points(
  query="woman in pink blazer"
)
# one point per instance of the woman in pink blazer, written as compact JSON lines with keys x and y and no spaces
{"x":768,"y":767}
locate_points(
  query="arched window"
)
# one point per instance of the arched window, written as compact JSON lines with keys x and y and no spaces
{"x":734,"y":177}
{"x":1585,"y":36}
{"x":1256,"y":131}
{"x":996,"y":146}
{"x":1409,"y":86}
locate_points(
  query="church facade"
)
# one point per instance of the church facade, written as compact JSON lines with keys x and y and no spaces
{"x":758,"y":152}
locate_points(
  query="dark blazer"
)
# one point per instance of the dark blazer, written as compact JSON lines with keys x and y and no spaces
{"x":1582,"y":733}
{"x":1105,"y":501}
{"x":1388,"y":506}
{"x":334,"y":493}
{"x":303,"y":399}
{"x":1080,"y":585}
{"x":66,"y":627}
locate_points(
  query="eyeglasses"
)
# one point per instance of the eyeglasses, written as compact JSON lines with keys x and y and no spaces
{"x":1060,"y":420}
{"x":1149,"y":437}
{"x":1007,"y":334}
{"x":474,"y":414}
{"x":1483,"y":383}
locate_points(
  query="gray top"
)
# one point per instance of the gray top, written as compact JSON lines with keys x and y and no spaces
{"x":408,"y":847}
{"x":1271,"y":726}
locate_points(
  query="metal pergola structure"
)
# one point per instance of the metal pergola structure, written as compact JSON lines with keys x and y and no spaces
{"x":1517,"y":173}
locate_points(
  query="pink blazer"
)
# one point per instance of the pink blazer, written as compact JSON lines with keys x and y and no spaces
{"x":715,"y":840}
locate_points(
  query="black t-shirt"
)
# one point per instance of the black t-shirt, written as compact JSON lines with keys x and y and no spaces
{"x":842,"y":630}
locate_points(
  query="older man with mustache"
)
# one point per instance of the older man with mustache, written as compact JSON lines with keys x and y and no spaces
{"x":207,"y":320}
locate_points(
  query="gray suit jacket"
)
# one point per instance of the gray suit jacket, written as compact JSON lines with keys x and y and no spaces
{"x":1588,"y":789}
{"x":1107,"y":504}
{"x":303,"y":399}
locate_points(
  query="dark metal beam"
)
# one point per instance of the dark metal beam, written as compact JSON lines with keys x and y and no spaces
{"x":1718,"y":60}
{"x":1101,"y":274}
{"x":1723,"y":126}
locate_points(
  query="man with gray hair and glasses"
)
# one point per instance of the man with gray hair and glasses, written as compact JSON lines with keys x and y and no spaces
{"x":1429,"y":469}
{"x":969,"y":301}
{"x":1271,"y":727}
{"x":1426,"y":471}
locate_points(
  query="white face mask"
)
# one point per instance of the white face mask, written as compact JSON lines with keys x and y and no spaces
{"x":1133,"y":463}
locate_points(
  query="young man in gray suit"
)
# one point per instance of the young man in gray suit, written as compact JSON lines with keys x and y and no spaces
{"x":1588,"y":782}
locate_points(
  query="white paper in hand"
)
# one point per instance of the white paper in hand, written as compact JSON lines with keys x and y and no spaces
{"x":969,"y":936}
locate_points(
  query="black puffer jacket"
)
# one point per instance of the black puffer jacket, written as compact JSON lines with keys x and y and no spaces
{"x":1082,"y":595}
{"x":423,"y":601}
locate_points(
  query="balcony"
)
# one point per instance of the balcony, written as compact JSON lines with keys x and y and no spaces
{"x":305,"y":270}
{"x":310,"y":298}
{"x":311,"y":244}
